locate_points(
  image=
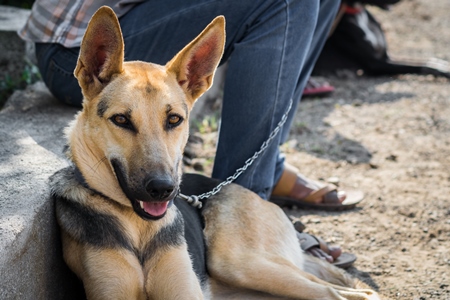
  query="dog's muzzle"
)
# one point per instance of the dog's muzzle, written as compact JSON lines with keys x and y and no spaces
{"x":151,"y":204}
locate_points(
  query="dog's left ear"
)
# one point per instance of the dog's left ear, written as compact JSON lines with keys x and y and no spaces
{"x":101,"y":53}
{"x":195,"y":65}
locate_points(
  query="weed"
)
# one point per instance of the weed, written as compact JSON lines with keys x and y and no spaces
{"x":8,"y":85}
{"x":301,"y":127}
{"x":208,"y":124}
{"x":317,"y":149}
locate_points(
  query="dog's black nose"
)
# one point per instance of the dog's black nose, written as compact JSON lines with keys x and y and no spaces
{"x":160,"y":189}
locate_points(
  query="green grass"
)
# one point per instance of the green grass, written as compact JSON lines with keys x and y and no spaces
{"x":8,"y":85}
{"x":30,"y":74}
{"x":208,"y":124}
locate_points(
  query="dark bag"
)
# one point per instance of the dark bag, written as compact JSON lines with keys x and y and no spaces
{"x":358,"y":43}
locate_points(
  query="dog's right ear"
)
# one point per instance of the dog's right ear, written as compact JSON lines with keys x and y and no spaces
{"x":101,"y":53}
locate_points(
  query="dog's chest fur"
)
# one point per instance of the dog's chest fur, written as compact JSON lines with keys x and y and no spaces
{"x":101,"y":226}
{"x":95,"y":220}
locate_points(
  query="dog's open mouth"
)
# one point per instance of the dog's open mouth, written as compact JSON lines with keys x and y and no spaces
{"x":154,"y":209}
{"x":151,"y":210}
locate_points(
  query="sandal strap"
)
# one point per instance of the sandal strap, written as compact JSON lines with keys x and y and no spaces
{"x":316,"y":196}
{"x":307,"y":241}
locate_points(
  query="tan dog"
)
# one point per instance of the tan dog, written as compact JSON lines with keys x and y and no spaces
{"x":121,"y":234}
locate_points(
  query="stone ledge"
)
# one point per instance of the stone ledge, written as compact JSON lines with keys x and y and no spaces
{"x":12,"y":18}
{"x":30,"y":253}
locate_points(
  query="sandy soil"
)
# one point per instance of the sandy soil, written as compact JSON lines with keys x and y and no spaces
{"x":389,"y":137}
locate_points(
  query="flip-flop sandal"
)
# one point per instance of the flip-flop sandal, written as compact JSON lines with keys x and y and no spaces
{"x":315,"y":89}
{"x":307,"y":241}
{"x":289,"y":179}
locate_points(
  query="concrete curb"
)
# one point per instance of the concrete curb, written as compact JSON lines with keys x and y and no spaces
{"x":31,"y":141}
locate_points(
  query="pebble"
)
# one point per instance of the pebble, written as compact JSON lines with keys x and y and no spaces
{"x":333,"y":180}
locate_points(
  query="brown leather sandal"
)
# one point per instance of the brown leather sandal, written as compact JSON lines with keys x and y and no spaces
{"x":325,"y":198}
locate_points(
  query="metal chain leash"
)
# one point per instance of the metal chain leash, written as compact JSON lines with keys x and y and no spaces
{"x":194,"y":200}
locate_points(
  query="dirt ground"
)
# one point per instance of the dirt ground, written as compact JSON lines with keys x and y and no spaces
{"x":389,"y":137}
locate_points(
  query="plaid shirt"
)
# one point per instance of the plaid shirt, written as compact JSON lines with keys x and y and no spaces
{"x":65,"y":21}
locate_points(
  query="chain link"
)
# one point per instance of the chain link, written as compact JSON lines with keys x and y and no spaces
{"x":194,"y":200}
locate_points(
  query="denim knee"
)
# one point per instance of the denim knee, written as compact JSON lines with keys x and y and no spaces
{"x":56,"y":64}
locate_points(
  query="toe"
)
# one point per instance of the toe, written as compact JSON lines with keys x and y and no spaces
{"x":342,"y":195}
{"x":334,"y":197}
{"x":317,"y":252}
{"x":335,"y":252}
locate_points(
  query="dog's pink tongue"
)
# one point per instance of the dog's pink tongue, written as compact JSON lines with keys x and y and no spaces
{"x":155,"y":208}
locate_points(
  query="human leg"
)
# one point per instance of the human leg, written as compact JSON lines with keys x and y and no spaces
{"x":262,"y":76}
{"x":303,"y":186}
{"x":56,"y":65}
{"x":325,"y":18}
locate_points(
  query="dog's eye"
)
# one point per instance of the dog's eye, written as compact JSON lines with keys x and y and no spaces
{"x":122,"y":121}
{"x":174,"y":120}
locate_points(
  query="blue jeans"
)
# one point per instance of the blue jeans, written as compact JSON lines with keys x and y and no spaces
{"x":271,"y":48}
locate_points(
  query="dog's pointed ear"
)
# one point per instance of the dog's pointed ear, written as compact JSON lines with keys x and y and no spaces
{"x":101,"y":53}
{"x":194,"y":66}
